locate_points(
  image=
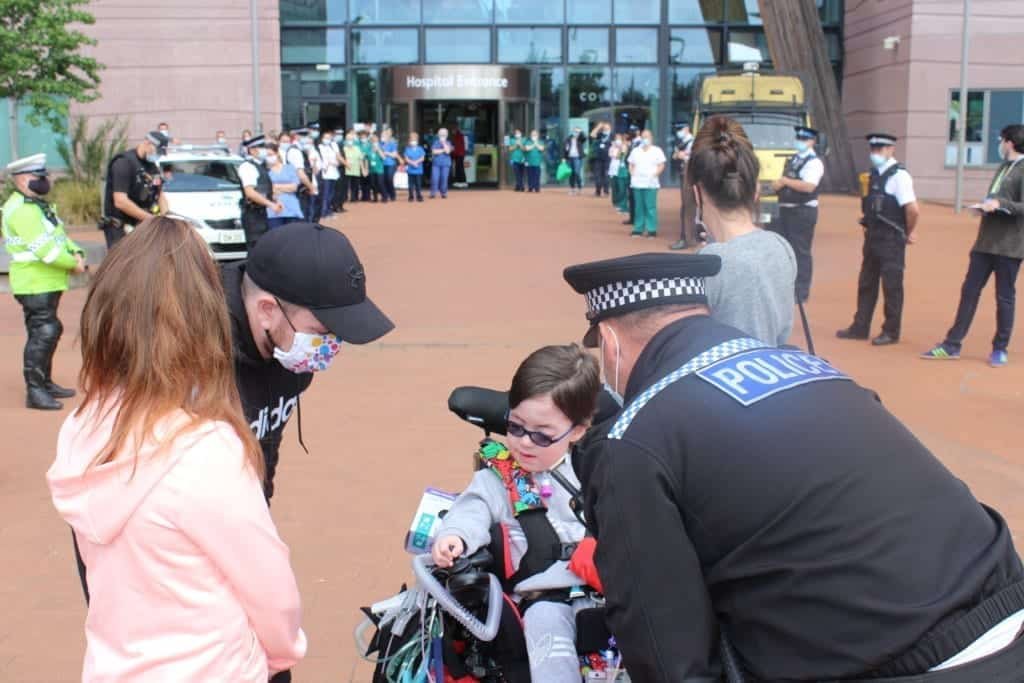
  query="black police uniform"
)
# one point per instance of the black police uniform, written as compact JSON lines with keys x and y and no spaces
{"x":796,"y":223}
{"x":254,"y":216}
{"x":884,"y":256}
{"x":140,"y":180}
{"x":790,"y":510}
{"x":599,"y":161}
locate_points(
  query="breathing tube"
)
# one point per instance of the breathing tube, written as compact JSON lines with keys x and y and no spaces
{"x":485,"y":631}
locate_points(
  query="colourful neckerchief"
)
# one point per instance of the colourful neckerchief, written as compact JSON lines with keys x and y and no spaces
{"x":523,"y":492}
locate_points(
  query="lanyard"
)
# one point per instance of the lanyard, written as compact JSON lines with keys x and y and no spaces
{"x":1002,"y":174}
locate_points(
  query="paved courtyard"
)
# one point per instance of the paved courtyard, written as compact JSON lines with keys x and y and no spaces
{"x":474,"y":283}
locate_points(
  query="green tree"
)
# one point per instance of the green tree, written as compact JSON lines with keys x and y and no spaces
{"x":41,"y":60}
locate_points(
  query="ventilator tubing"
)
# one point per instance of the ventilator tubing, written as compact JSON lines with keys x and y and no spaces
{"x":484,"y":631}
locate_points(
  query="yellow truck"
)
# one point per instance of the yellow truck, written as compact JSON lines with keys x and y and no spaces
{"x":768,"y":106}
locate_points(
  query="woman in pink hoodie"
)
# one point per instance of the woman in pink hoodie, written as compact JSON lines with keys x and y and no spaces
{"x":159,"y":476}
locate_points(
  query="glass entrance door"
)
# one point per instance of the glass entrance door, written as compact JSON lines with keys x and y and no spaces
{"x":478,"y":124}
{"x":330,"y":115}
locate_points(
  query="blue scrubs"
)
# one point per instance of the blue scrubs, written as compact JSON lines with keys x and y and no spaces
{"x":440,"y":167}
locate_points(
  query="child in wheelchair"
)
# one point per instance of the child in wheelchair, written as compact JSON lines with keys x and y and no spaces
{"x":515,"y":507}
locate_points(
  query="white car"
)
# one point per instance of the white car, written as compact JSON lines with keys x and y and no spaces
{"x":201,"y":184}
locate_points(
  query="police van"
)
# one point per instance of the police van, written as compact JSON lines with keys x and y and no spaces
{"x":202,"y":186}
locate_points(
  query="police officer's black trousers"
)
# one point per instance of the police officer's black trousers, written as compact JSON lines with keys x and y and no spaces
{"x":340,"y":194}
{"x":599,"y":167}
{"x":254,"y":224}
{"x":981,"y":267}
{"x":113,"y":235}
{"x":796,"y":224}
{"x":883,"y":259}
{"x":44,"y":332}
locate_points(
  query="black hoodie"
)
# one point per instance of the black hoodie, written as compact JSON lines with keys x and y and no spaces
{"x":270,"y":393}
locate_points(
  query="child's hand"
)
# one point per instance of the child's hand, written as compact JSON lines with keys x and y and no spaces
{"x":446,"y":550}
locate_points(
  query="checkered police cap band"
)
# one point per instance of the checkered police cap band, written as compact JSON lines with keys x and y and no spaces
{"x":621,"y":294}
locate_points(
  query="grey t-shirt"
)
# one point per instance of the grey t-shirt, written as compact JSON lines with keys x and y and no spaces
{"x":754,"y":291}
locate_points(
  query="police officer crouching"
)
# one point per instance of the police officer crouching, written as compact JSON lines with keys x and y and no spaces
{"x":133,"y":189}
{"x":789,"y":511}
{"x":42,"y":256}
{"x":257,"y":190}
{"x":890,"y":216}
{"x":798,"y":205}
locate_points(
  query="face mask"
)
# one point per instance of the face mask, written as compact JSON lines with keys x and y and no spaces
{"x":40,"y":186}
{"x":261,"y":154}
{"x":326,"y":141}
{"x":271,"y":159}
{"x":314,"y":135}
{"x":222,"y":141}
{"x":1004,"y":153}
{"x":681,"y":134}
{"x":309,"y":352}
{"x":877,"y":160}
{"x":645,"y":142}
{"x":535,"y":137}
{"x":152,"y":158}
{"x":801,"y":146}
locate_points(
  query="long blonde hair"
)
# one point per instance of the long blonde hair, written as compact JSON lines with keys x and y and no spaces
{"x":156,"y":339}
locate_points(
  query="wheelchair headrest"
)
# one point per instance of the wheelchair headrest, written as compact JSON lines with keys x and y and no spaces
{"x":485,"y":408}
{"x":488,"y":408}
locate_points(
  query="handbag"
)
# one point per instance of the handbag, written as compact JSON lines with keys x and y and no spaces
{"x":401,"y":179}
{"x":563,"y":171}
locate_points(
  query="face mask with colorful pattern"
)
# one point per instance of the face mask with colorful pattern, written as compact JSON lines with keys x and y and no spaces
{"x":309,"y":353}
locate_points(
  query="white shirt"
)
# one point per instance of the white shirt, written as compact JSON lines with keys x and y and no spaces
{"x":644,"y":162}
{"x":901,"y":185}
{"x":248,"y":173}
{"x":329,"y":153}
{"x":294,"y":157}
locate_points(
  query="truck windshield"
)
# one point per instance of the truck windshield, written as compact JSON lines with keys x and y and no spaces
{"x":214,"y":175}
{"x":770,"y":130}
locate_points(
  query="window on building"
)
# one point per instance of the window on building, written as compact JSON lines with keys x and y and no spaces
{"x":830,"y":11}
{"x":313,"y":11}
{"x":312,"y":46}
{"x":988,"y":112}
{"x":683,"y":83}
{"x":636,"y":45}
{"x":367,"y":92}
{"x":695,"y":46}
{"x":636,"y":95}
{"x":589,"y":11}
{"x":458,"y":45}
{"x":385,"y":12}
{"x":552,"y":85}
{"x":637,"y":11}
{"x":693,"y":12}
{"x":385,"y":46}
{"x":458,"y":11}
{"x":528,"y":12}
{"x":743,"y":12}
{"x":748,"y":46}
{"x":588,"y":45}
{"x":530,"y":45}
{"x":590,"y":94}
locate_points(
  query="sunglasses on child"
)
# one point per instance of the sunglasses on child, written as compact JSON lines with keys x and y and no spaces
{"x":538,"y":438}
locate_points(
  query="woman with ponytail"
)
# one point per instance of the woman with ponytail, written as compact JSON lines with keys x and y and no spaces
{"x":754,"y":289}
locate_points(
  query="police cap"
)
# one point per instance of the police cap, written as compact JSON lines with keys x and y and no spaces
{"x":35,"y":164}
{"x":680,"y":124}
{"x":618,"y":286}
{"x":881,"y":140}
{"x":257,"y":141}
{"x":805,"y":133}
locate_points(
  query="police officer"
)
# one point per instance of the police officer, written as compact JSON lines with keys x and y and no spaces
{"x":687,"y":218}
{"x":798,"y":205}
{"x":257,"y":190}
{"x":133,"y":187}
{"x":295,"y":154}
{"x":789,"y":510}
{"x":634,"y":144}
{"x":42,"y":256}
{"x":601,"y":144}
{"x":890,"y":216}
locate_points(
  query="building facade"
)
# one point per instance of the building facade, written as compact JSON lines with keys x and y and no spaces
{"x":902,"y":75}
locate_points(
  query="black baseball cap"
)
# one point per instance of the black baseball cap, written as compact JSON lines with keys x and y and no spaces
{"x":317,"y":268}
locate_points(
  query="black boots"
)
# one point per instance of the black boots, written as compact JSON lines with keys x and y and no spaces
{"x":38,"y":397}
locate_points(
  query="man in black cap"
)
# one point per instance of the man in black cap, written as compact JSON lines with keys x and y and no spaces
{"x":890,"y":216}
{"x":298,"y":297}
{"x":787,"y":510}
{"x":257,"y":190}
{"x":133,"y":190}
{"x":681,"y":155}
{"x":798,"y":205}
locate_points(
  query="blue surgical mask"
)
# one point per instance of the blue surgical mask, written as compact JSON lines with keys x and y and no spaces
{"x":877,"y":160}
{"x":801,"y":146}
